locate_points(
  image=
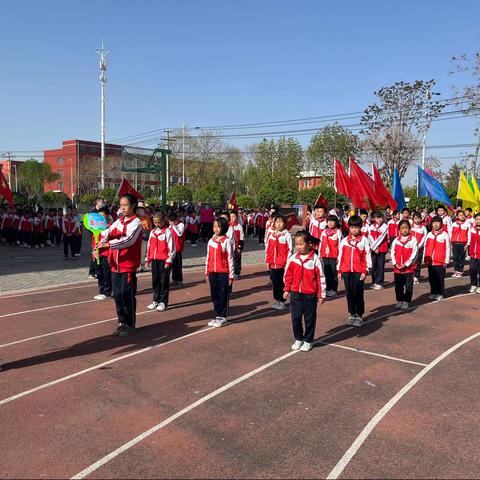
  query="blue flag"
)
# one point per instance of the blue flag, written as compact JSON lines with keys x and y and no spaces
{"x":398,"y":191}
{"x":431,"y":188}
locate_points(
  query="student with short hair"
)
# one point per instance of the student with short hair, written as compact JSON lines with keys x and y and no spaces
{"x":177,"y":227}
{"x":474,"y":252}
{"x":378,"y":236}
{"x":236,"y":233}
{"x":419,"y":231}
{"x":459,"y":239}
{"x":318,"y":223}
{"x":330,"y":241}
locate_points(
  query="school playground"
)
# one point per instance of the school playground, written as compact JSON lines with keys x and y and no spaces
{"x":398,"y":398}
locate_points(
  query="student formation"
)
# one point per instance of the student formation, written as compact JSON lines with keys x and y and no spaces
{"x":305,"y":268}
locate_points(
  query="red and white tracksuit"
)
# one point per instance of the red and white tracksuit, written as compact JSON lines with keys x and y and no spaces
{"x":220,"y":256}
{"x":355,"y":255}
{"x":404,"y":252}
{"x":378,"y":236}
{"x":459,"y":232}
{"x":178,"y":233}
{"x":330,"y":241}
{"x":161,"y":246}
{"x":278,"y":248}
{"x":437,"y":248}
{"x":420,"y":234}
{"x":393,"y":228}
{"x":304,"y":274}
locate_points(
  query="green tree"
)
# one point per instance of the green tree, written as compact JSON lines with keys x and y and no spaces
{"x":247,"y":201}
{"x":333,"y":141}
{"x":88,"y":199}
{"x":310,"y":196}
{"x":32,"y":176}
{"x":276,"y":191}
{"x":54,"y":198}
{"x":180,"y":193}
{"x":452,"y":176}
{"x":212,"y":194}
{"x":109,"y":194}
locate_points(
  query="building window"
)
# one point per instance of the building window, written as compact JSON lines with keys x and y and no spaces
{"x":60,"y":160}
{"x":60,"y":172}
{"x":60,"y":185}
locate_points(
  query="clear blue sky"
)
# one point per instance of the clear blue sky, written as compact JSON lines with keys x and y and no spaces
{"x":218,"y":62}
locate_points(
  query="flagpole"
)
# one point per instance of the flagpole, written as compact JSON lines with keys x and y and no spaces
{"x":334,"y":185}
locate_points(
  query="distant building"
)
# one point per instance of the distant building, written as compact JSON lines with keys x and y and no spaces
{"x":308,"y":180}
{"x":10,"y":172}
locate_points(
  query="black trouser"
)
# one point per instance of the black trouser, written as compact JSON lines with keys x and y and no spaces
{"x":92,"y":269}
{"x":378,"y":268}
{"x":160,"y":281}
{"x":207,"y":230}
{"x":51,"y":236}
{"x":436,"y":277}
{"x":58,"y":235}
{"x":303,"y":306}
{"x":403,"y":287}
{"x":419,"y":264}
{"x":220,"y":291}
{"x":261,"y":234}
{"x":68,"y":241}
{"x":194,"y":238}
{"x":354,"y":289}
{"x":474,"y":271}
{"x":459,"y":255}
{"x":104,"y":276}
{"x":237,"y":262}
{"x":177,"y":265}
{"x":77,"y":243}
{"x":10,"y":235}
{"x":330,"y":271}
{"x":251,"y":231}
{"x":124,"y":288}
{"x":276,"y":276}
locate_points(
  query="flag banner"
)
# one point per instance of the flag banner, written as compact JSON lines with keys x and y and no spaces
{"x":232,"y":202}
{"x":345,"y":187}
{"x":125,"y":187}
{"x":364,"y":185}
{"x":5,"y":191}
{"x":431,"y":188}
{"x":465,"y":190}
{"x":292,"y":220}
{"x":398,"y":191}
{"x":381,"y":190}
{"x":321,"y":201}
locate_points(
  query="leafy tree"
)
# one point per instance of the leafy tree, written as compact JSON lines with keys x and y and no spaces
{"x":212,"y":194}
{"x":310,"y":196}
{"x":276,"y":191}
{"x":109,"y":194}
{"x":247,"y":201}
{"x":32,"y":176}
{"x":422,"y":202}
{"x":452,"y":176}
{"x":180,"y":193}
{"x":152,"y":201}
{"x":333,"y":141}
{"x":252,"y":179}
{"x":88,"y":198}
{"x":54,"y":198}
{"x":394,"y":126}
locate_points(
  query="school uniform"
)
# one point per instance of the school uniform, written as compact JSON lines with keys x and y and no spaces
{"x":7,"y":227}
{"x":178,"y":233}
{"x":316,"y":227}
{"x":125,"y":239}
{"x":236,"y":234}
{"x":102,"y":267}
{"x":447,"y":224}
{"x":193,"y":227}
{"x":436,"y":255}
{"x":219,"y":269}
{"x":69,"y":226}
{"x":278,"y":249}
{"x":459,"y":239}
{"x":305,"y":281}
{"x":160,"y":255}
{"x":354,"y":259}
{"x":38,"y":231}
{"x":404,"y":252}
{"x":50,"y":229}
{"x":330,"y":241}
{"x":420,"y":234}
{"x":474,"y":252}
{"x":393,"y":229}
{"x":58,"y":229}
{"x":378,"y":236}
{"x":261,"y":222}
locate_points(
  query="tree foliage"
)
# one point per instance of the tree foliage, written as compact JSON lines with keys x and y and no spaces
{"x":54,"y":198}
{"x":310,"y":196}
{"x":212,"y":194}
{"x":109,"y":194}
{"x":32,"y":176}
{"x":246,"y":201}
{"x":276,"y":191}
{"x":180,"y":193}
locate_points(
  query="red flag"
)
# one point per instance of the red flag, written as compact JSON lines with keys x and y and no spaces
{"x":344,"y":186}
{"x":232,"y":203}
{"x":321,"y":201}
{"x":381,"y":190}
{"x":5,"y":191}
{"x":430,"y":172}
{"x":292,"y":220}
{"x":126,"y":187}
{"x":364,"y":185}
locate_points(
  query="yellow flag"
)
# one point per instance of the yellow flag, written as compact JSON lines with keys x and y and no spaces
{"x":476,"y":190}
{"x":465,"y":192}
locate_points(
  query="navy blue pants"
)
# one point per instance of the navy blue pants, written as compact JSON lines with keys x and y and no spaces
{"x":220,"y":291}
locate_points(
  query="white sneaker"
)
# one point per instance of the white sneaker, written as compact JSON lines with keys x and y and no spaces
{"x":101,"y":297}
{"x":212,"y":323}
{"x":438,"y":298}
{"x":398,"y":305}
{"x":372,"y":286}
{"x":404,"y":306}
{"x":161,"y":307}
{"x":416,"y":281}
{"x":378,"y":287}
{"x":431,"y":296}
{"x":329,"y":293}
{"x":477,"y":290}
{"x":473,"y":289}
{"x":297,"y":345}
{"x":220,"y":322}
{"x":306,"y":347}
{"x":357,"y":321}
{"x":152,"y":306}
{"x":350,"y":320}
{"x":275,"y":304}
{"x":281,"y":306}
{"x":333,"y":294}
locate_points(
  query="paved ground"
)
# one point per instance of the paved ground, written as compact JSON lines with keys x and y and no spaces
{"x":397,"y":398}
{"x":22,"y":269}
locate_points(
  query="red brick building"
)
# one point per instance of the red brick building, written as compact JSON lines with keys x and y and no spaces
{"x":10,"y":172}
{"x":308,"y":180}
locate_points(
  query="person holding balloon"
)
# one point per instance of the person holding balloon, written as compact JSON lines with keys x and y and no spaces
{"x":102,"y":267}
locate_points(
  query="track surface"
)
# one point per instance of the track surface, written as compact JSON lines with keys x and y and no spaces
{"x":181,"y":400}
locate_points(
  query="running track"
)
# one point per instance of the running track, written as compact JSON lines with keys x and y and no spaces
{"x":397,"y":398}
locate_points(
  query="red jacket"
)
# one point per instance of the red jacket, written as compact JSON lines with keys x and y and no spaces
{"x":235,"y":233}
{"x":437,"y":248}
{"x":354,"y":255}
{"x":474,"y":242}
{"x":261,"y":219}
{"x":7,"y":220}
{"x":49,"y":223}
{"x":305,"y":275}
{"x":68,"y":225}
{"x":404,"y":252}
{"x":420,"y":234}
{"x":25,"y":224}
{"x":330,"y":241}
{"x":220,"y":256}
{"x":178,"y":232}
{"x":377,"y":234}
{"x":125,"y":239}
{"x":161,"y":245}
{"x":38,"y":225}
{"x":316,"y":227}
{"x":393,"y":228}
{"x":278,"y":248}
{"x":460,"y":231}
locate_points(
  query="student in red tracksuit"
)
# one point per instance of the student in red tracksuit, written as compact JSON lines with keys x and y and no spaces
{"x":25,"y":229}
{"x":260,"y":222}
{"x":366,"y":221}
{"x":436,"y":255}
{"x":102,"y":267}
{"x":474,"y":252}
{"x":305,"y":283}
{"x":219,"y":270}
{"x":236,"y":232}
{"x":50,"y":226}
{"x":446,"y":220}
{"x":393,"y":226}
{"x":354,"y":262}
{"x":160,"y":257}
{"x":404,"y":260}
{"x":193,"y":226}
{"x":177,"y":227}
{"x":124,"y":238}
{"x":69,"y":226}
{"x":330,"y":241}
{"x":318,"y":223}
{"x":459,"y":239}
{"x":378,"y":236}
{"x":278,"y":248}
{"x":419,"y":231}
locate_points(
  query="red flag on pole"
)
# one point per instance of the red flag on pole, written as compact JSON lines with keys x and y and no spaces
{"x":381,"y":190}
{"x":292,"y":220}
{"x":5,"y":191}
{"x":232,"y":203}
{"x":321,"y":201}
{"x":364,"y":185}
{"x":344,"y":186}
{"x":126,"y":187}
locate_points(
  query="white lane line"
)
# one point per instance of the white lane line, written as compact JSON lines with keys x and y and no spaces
{"x":107,"y":458}
{"x":46,"y":308}
{"x":366,"y":352}
{"x":358,"y":442}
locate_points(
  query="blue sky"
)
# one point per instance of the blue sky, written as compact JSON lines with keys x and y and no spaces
{"x":219,"y":62}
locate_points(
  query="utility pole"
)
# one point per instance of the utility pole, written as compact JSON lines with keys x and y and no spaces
{"x":183,"y":155}
{"x":103,"y":81}
{"x":167,"y":139}
{"x":428,"y":96}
